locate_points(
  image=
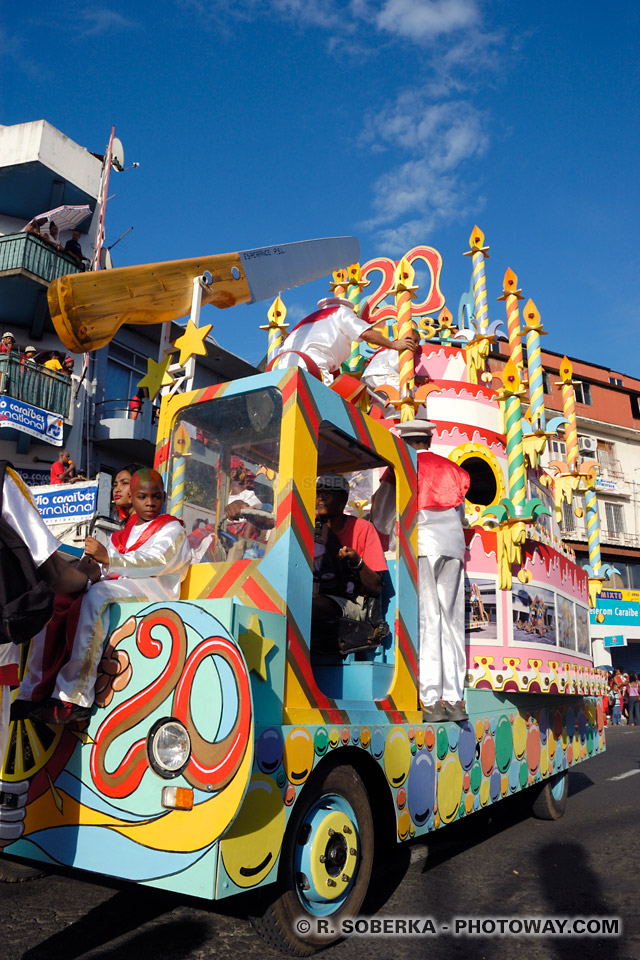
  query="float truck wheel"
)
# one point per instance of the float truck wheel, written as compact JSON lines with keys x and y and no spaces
{"x":325,"y":865}
{"x":551,"y":801}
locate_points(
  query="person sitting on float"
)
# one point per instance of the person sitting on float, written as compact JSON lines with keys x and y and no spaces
{"x":147,"y":560}
{"x":348,"y":561}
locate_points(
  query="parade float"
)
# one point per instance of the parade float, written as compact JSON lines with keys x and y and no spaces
{"x":220,"y":756}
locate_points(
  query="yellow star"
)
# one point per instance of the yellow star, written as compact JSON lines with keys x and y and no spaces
{"x":191,"y":343}
{"x":157,"y":376}
{"x":256,"y":647}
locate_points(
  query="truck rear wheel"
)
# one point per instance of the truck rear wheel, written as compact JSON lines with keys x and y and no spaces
{"x":325,"y":866}
{"x":551,"y":801}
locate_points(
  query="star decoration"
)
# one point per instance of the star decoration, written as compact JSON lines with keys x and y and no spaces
{"x":191,"y":343}
{"x":256,"y":647}
{"x":157,"y":376}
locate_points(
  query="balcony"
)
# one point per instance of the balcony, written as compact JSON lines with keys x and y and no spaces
{"x":39,"y":386}
{"x":115,"y":425}
{"x":28,"y":255}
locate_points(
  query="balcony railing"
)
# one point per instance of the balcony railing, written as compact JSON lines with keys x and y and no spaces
{"x":25,"y":251}
{"x":39,"y":386}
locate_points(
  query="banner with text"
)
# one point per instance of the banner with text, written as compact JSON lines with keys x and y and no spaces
{"x":59,"y":503}
{"x":31,"y":420}
{"x":617,"y":608}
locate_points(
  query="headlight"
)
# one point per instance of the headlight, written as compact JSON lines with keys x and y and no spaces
{"x":168,"y":747}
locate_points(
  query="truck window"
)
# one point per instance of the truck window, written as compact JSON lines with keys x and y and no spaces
{"x":224,"y":471}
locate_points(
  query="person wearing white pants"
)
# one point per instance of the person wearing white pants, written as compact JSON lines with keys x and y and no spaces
{"x":442,"y":486}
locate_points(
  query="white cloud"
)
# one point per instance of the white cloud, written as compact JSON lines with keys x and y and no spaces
{"x":421,"y":20}
{"x":101,"y":20}
{"x":428,"y":189}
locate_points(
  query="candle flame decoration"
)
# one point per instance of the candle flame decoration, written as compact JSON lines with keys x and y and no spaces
{"x":476,"y":242}
{"x":276,"y":327}
{"x":355,"y":274}
{"x":511,"y":377}
{"x":277,"y":310}
{"x":510,"y":285}
{"x":566,"y":370}
{"x":531,"y":315}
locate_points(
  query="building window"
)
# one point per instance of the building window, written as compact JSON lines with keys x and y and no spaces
{"x":635,"y":406}
{"x":124,"y":369}
{"x":558,"y":450}
{"x":616,"y":381}
{"x":615,"y":520}
{"x":568,"y":517}
{"x":583,"y":392}
{"x":546,"y":381}
{"x":607,"y":457}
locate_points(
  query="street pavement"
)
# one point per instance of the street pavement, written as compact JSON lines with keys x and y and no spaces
{"x":495,"y":864}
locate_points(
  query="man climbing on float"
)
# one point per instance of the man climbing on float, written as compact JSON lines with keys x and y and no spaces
{"x":325,"y":338}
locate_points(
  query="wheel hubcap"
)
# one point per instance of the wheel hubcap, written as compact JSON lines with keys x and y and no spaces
{"x":326,"y":855}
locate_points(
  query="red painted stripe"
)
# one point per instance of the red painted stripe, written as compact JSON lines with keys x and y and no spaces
{"x":300,"y":655}
{"x":162,"y":454}
{"x":388,"y":707}
{"x":407,"y":554}
{"x":407,"y":648}
{"x":308,"y":406}
{"x":258,"y":596}
{"x":227,"y":582}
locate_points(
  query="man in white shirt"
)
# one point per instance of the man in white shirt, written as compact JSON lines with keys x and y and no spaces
{"x":326,"y":336}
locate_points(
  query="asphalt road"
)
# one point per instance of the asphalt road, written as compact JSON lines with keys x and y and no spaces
{"x":498,"y":863}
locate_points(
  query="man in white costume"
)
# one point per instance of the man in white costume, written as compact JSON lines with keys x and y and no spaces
{"x":325,"y":337}
{"x":147,"y":560}
{"x":384,"y":368}
{"x":21,"y":513}
{"x":442,"y":486}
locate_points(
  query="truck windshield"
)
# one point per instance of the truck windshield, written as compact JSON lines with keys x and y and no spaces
{"x":224,"y":471}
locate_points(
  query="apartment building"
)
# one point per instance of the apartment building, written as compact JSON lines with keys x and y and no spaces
{"x":88,"y":413}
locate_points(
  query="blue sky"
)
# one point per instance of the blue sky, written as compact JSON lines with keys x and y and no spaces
{"x":399,"y":121}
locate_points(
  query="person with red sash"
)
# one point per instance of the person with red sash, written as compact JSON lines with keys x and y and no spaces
{"x":325,"y":338}
{"x":146,"y":560}
{"x":442,"y":487}
{"x":384,"y":368}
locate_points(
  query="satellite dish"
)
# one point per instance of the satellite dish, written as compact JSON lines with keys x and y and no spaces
{"x":106,"y":263}
{"x":117,"y":155}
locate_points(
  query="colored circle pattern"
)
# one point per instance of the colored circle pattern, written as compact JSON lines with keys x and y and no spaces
{"x":437,"y":773}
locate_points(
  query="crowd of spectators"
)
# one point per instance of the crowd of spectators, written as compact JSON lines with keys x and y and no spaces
{"x":623,"y":698}
{"x":48,"y":231}
{"x":51,"y":359}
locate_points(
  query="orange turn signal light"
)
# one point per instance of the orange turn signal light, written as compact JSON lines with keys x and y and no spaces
{"x":177,"y":798}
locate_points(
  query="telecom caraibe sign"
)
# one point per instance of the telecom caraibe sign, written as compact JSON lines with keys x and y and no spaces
{"x":616,"y":608}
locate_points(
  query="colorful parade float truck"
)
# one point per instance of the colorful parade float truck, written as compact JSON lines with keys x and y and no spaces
{"x":221,"y":755}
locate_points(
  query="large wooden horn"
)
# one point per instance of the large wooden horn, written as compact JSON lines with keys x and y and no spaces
{"x":88,"y":308}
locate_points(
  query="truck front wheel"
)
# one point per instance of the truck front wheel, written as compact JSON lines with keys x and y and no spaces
{"x":325,"y":865}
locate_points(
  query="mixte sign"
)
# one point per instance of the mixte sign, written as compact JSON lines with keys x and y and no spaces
{"x":31,"y":420}
{"x":59,"y":503}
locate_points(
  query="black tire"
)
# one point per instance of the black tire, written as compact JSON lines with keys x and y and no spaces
{"x":328,"y":794}
{"x":551,"y":800}
{"x":13,"y":872}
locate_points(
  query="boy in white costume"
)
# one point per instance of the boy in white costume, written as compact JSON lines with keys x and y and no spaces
{"x":147,"y":560}
{"x":325,"y":337}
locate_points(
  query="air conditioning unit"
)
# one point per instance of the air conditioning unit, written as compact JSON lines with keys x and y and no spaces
{"x":587,"y":445}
